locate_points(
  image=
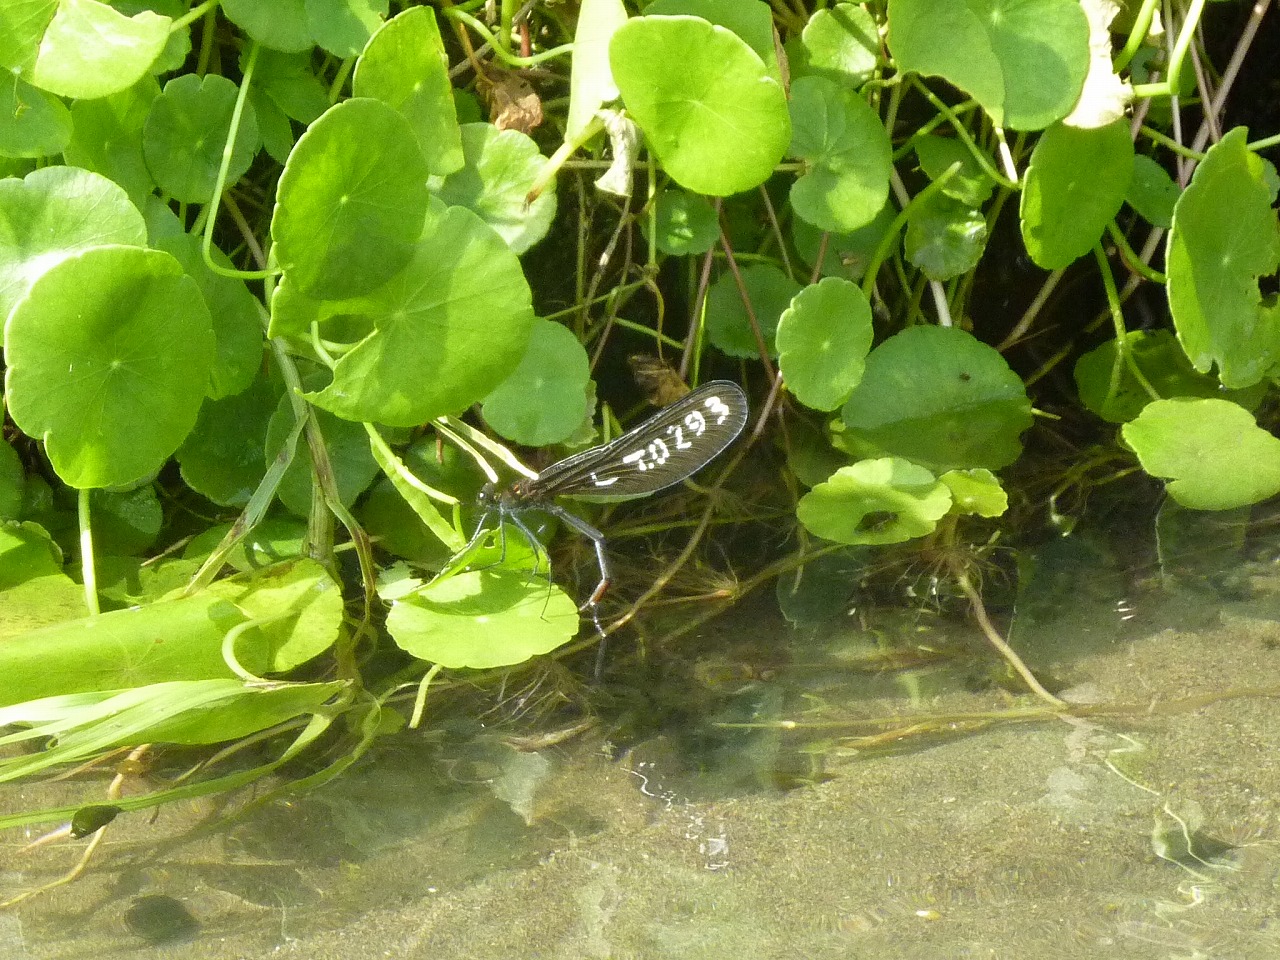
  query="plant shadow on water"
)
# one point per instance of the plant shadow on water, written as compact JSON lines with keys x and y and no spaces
{"x":864,"y":787}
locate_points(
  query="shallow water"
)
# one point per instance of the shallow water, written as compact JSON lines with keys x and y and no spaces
{"x":799,"y":800}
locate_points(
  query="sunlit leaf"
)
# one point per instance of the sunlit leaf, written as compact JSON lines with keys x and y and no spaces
{"x":718,"y":124}
{"x":1226,"y":237}
{"x":846,"y":153}
{"x":494,"y":183}
{"x":447,"y":330}
{"x":938,"y":396}
{"x":1212,"y":452}
{"x":109,"y":357}
{"x":875,"y":502}
{"x":279,"y":25}
{"x":406,"y":67}
{"x":823,"y":340}
{"x":1076,"y":183}
{"x":843,"y":43}
{"x":976,"y":492}
{"x":590,"y":78}
{"x":351,"y":201}
{"x":544,"y":400}
{"x":1166,"y":368}
{"x":483,"y":619}
{"x":186,"y":132}
{"x":33,"y":123}
{"x":1025,"y":61}
{"x":90,"y":50}
{"x":53,"y":213}
{"x":343,"y":27}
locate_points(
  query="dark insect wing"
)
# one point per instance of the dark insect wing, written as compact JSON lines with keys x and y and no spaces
{"x":668,"y":447}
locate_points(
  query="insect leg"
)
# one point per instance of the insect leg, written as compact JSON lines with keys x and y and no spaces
{"x":539,"y":551}
{"x":459,"y":560}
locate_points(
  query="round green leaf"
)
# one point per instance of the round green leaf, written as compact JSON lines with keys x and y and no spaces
{"x":34,"y":123}
{"x":875,"y":502}
{"x":483,"y":619}
{"x":545,"y":398}
{"x":1152,"y":192}
{"x":56,"y":212}
{"x":351,"y":201}
{"x":823,"y":341}
{"x":712,"y":112}
{"x":446,"y":330}
{"x":728,"y":325}
{"x":1024,"y":60}
{"x":944,"y":238}
{"x":1076,"y":183}
{"x":976,"y":492}
{"x":842,"y":43}
{"x":684,"y":223}
{"x":26,"y":552}
{"x":751,"y":20}
{"x":223,"y":457}
{"x":1212,"y":452}
{"x":847,"y":254}
{"x":940,"y":397}
{"x":90,"y":50}
{"x":289,"y":81}
{"x":186,"y":132}
{"x":350,"y":458}
{"x":1225,"y":237}
{"x":279,"y":25}
{"x":971,"y":184}
{"x":343,"y":27}
{"x":406,"y":67}
{"x":1161,"y":360}
{"x":108,"y":361}
{"x":237,"y":324}
{"x":125,"y":523}
{"x":297,"y":605}
{"x":500,"y":168}
{"x":824,"y":588}
{"x":106,"y":137}
{"x":847,"y":155}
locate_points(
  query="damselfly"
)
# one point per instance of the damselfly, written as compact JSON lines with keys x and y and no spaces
{"x":673,"y":444}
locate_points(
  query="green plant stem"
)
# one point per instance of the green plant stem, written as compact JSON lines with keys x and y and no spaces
{"x":1033,"y":310}
{"x":228,"y":148}
{"x":1169,"y":86}
{"x":1137,"y":36}
{"x":962,"y":133}
{"x":1131,"y":258}
{"x":510,"y":59}
{"x":88,"y":572}
{"x":890,"y":238}
{"x":746,"y":299}
{"x":1170,"y":144}
{"x":420,"y":701}
{"x":1124,"y":353}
